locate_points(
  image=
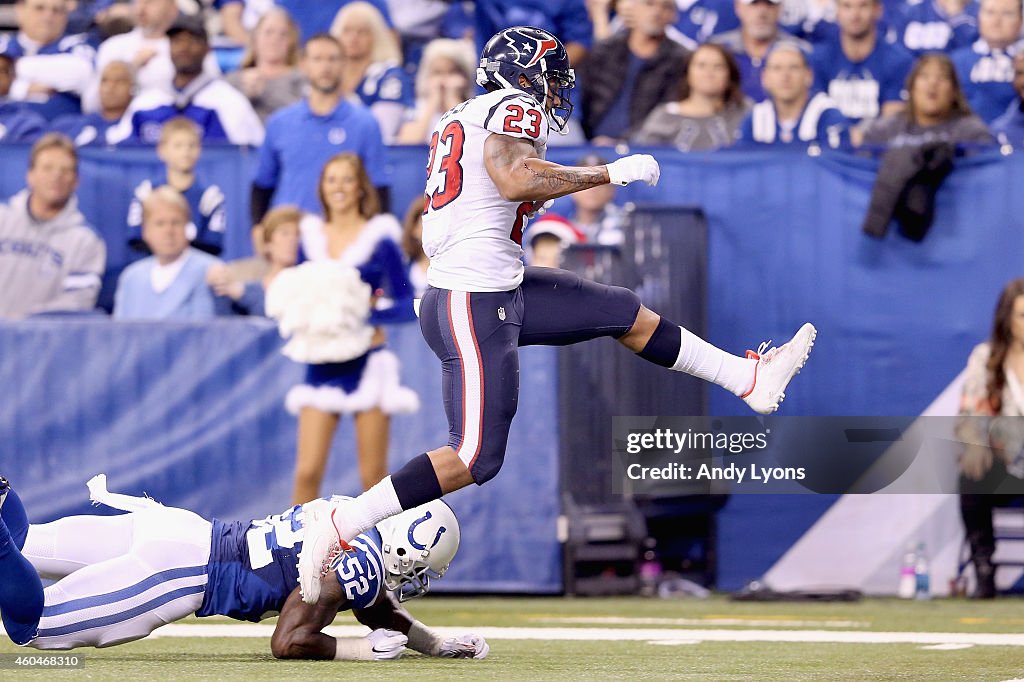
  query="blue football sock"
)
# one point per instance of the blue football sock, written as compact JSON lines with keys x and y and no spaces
{"x":21,"y":591}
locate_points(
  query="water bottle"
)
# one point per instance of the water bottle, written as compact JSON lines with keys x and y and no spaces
{"x":922,"y":581}
{"x":908,"y":577}
{"x":650,"y":570}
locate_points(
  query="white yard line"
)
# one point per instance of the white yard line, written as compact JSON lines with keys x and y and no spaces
{"x":660,"y":635}
{"x":781,"y":622}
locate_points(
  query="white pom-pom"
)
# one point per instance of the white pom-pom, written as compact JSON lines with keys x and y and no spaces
{"x":323,"y":309}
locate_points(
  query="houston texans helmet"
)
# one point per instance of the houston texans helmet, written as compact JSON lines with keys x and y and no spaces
{"x":418,"y":545}
{"x":525,"y":53}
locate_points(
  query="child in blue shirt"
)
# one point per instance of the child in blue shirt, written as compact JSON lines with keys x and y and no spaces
{"x":179,"y":149}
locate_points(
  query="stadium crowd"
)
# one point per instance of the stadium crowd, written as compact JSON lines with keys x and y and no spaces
{"x":301,"y":82}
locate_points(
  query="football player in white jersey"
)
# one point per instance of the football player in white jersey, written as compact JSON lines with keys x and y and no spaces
{"x":486,"y":174}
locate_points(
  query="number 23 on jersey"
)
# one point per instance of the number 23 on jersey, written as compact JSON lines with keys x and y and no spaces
{"x":452,"y":141}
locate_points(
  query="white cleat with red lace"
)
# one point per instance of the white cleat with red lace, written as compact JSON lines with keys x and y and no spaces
{"x":321,"y":545}
{"x":776,"y":367}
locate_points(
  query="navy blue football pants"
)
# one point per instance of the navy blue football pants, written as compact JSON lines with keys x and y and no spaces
{"x":477,"y":337}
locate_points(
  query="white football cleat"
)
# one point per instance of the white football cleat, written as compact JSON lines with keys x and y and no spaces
{"x":321,"y":544}
{"x":776,"y":367}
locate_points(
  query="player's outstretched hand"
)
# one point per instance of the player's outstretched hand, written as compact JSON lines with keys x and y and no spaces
{"x":540,"y":208}
{"x":466,"y":646}
{"x":387,"y":644}
{"x":634,"y":167}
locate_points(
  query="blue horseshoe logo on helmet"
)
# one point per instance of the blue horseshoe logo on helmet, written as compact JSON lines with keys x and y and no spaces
{"x":412,"y":529}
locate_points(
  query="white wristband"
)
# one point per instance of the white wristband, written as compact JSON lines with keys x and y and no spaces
{"x":353,"y":649}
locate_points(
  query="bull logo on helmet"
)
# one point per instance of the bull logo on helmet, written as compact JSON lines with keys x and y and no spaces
{"x":412,"y":529}
{"x":543,"y":47}
{"x":534,"y":48}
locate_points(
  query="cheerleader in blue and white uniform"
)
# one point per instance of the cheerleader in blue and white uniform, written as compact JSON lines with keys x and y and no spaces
{"x":356,"y":233}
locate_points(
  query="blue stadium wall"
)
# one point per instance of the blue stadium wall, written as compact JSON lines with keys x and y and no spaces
{"x":192,"y":413}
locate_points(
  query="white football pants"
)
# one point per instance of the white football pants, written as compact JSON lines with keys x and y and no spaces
{"x":120,"y":577}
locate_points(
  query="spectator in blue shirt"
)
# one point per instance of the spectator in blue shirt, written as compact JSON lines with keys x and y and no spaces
{"x":791,"y":115}
{"x":53,"y":68}
{"x":937,"y":25}
{"x":302,"y":137}
{"x":170,"y":284}
{"x":986,"y":67}
{"x":372,"y":66}
{"x":117,"y":85}
{"x":1009,"y":128}
{"x":17,"y":122}
{"x":179,"y":149}
{"x":862,"y":73}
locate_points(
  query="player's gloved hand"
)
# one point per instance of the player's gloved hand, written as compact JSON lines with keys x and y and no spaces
{"x":540,"y":208}
{"x":466,"y":646}
{"x":634,"y":167}
{"x":388,"y":645}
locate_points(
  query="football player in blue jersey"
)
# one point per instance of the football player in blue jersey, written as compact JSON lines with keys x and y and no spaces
{"x":121,"y":577}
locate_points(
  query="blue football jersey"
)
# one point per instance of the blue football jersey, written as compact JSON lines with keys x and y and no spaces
{"x":253,"y":567}
{"x":860,"y":88}
{"x":819,"y":122}
{"x":925,"y":27}
{"x":701,"y":19}
{"x":62,"y":102}
{"x":385,"y":82}
{"x":208,"y":221}
{"x":986,"y":76}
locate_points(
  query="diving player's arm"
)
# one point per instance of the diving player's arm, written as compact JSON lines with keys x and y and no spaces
{"x":387,"y":613}
{"x":521,"y":175}
{"x":298,"y":632}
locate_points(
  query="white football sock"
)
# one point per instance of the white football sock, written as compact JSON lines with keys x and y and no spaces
{"x":367,"y":510}
{"x":699,"y":358}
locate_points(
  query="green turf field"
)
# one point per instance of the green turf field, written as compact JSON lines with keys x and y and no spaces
{"x":622,"y":649}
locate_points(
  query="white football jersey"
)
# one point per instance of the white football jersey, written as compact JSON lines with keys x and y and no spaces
{"x":472,"y":236}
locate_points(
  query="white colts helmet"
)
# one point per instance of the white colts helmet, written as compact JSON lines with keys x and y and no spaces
{"x":419,"y":544}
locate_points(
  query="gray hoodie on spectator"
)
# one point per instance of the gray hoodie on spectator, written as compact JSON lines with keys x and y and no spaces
{"x":47,"y":265}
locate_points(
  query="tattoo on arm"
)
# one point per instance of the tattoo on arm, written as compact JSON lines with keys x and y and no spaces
{"x":564,"y":179}
{"x":523,"y":176}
